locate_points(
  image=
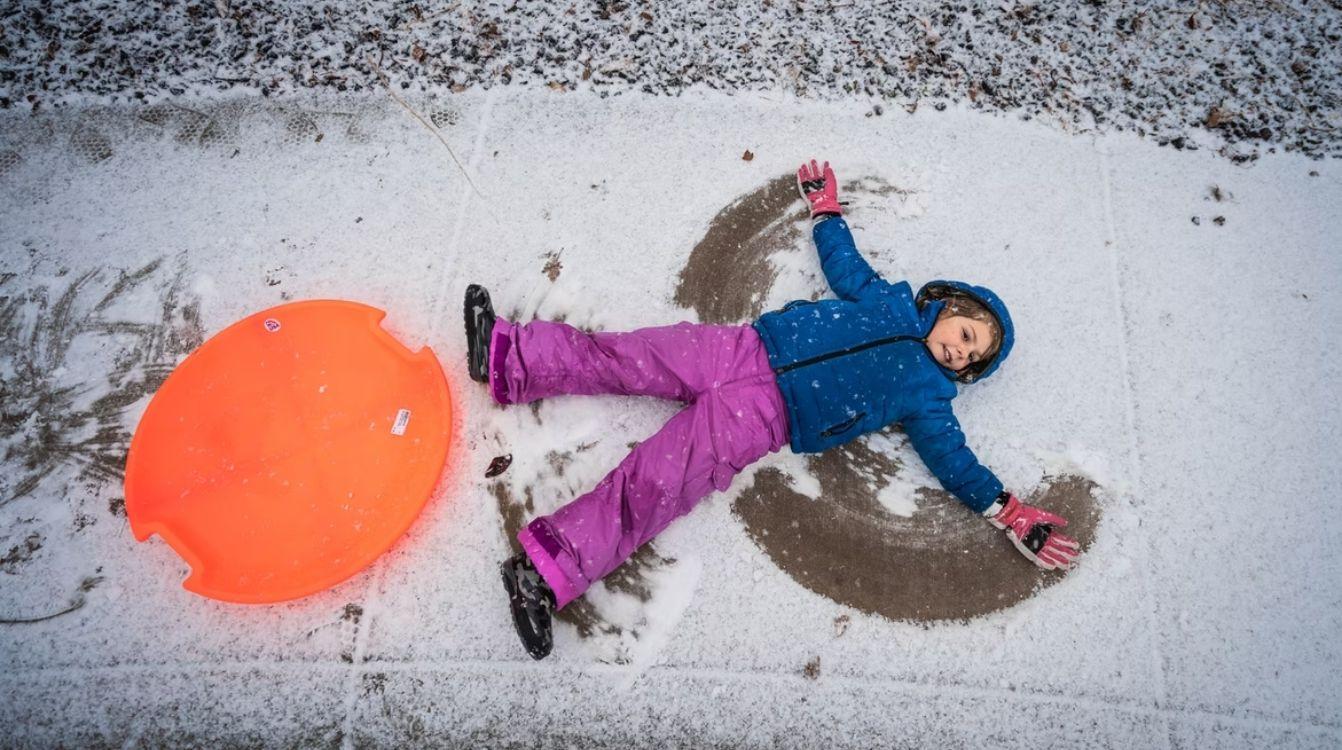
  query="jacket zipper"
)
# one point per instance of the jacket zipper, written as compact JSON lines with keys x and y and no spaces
{"x":844,"y":425}
{"x":844,"y":352}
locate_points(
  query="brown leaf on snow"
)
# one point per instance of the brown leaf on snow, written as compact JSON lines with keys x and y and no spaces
{"x":748,"y":155}
{"x":1216,"y":118}
{"x":418,"y":53}
{"x":812,"y":670}
{"x":552,"y":266}
{"x":499,"y":465}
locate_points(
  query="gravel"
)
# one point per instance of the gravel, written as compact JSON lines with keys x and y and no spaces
{"x":1243,"y":78}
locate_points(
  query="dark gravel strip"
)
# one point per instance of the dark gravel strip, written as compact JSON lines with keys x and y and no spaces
{"x":1258,"y":75}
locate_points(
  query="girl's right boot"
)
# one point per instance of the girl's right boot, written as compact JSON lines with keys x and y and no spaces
{"x":532,"y":603}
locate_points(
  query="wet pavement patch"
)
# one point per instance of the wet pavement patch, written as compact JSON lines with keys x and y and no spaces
{"x":729,"y":272}
{"x":942,"y":563}
{"x":733,"y":256}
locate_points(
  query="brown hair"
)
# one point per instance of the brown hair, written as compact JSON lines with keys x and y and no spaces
{"x":968,"y":307}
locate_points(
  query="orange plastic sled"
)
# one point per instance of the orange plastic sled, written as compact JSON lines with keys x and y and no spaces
{"x":289,"y":451}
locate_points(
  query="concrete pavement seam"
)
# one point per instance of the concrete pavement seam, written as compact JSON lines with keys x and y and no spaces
{"x":1130,"y":416}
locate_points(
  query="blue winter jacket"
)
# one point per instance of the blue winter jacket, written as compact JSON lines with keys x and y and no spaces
{"x":856,"y":364}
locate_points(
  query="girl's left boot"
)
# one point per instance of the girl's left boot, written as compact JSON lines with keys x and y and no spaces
{"x":532,"y":603}
{"x":479,"y":326}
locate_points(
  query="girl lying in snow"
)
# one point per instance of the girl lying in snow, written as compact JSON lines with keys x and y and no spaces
{"x":812,"y":375}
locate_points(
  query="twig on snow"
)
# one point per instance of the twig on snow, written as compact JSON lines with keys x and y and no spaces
{"x":386,"y":83}
{"x":76,"y":603}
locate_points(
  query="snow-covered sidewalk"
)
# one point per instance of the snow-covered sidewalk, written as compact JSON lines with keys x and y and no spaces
{"x":1176,"y":319}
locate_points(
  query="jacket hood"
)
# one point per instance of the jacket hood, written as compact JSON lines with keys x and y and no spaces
{"x":942,"y":289}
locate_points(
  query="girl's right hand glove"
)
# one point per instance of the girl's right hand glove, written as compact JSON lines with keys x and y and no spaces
{"x":1033,"y":532}
{"x":820,"y":189}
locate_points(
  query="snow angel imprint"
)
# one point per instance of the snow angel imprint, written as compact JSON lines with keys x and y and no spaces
{"x":811,"y":376}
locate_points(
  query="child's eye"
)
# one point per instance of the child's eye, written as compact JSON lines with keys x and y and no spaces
{"x":964,"y":334}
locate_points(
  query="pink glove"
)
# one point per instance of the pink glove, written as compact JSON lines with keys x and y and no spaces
{"x":818,"y":186}
{"x":1031,"y":529}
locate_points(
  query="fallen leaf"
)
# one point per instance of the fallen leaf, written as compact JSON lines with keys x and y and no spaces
{"x":552,"y":266}
{"x":747,"y":156}
{"x":499,"y":465}
{"x":812,"y":670}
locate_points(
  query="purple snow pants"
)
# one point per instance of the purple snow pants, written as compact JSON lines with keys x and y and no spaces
{"x":734,"y":416}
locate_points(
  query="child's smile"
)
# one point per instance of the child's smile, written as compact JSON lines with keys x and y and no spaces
{"x":957,"y":341}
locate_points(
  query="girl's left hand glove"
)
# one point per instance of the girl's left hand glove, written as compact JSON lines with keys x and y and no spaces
{"x":1033,"y":531}
{"x":818,"y":186}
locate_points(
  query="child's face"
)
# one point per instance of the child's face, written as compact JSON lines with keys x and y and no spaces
{"x":957,"y":341}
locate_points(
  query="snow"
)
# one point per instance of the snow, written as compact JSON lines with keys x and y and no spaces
{"x":1187,"y":369}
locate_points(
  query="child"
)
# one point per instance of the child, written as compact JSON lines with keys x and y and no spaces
{"x":811,"y":375}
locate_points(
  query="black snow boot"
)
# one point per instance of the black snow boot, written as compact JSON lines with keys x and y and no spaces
{"x":532,"y":603}
{"x":479,"y":325}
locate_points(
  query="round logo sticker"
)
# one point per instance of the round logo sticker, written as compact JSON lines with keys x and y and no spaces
{"x":272,"y":325}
